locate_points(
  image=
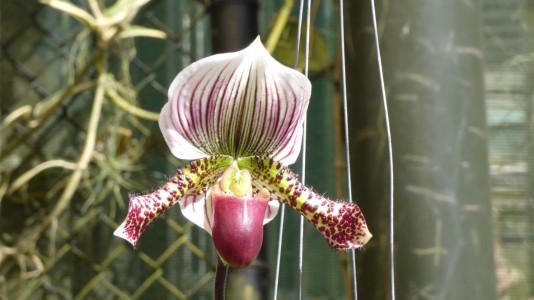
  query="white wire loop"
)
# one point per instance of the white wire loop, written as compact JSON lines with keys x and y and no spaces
{"x":390,"y":154}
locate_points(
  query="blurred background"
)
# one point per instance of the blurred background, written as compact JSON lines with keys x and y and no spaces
{"x":82,"y":82}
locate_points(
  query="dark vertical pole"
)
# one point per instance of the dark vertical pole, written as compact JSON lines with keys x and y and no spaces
{"x":234,"y":25}
{"x":368,"y":151}
{"x":433,"y":68}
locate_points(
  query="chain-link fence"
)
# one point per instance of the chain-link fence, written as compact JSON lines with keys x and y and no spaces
{"x":57,"y":245}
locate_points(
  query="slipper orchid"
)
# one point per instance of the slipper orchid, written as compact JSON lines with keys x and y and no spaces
{"x":239,"y":117}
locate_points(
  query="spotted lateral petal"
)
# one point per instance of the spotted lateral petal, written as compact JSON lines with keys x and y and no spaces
{"x":240,"y":104}
{"x":192,"y":180}
{"x":341,"y":223}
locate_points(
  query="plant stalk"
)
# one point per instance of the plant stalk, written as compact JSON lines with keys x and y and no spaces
{"x":84,"y":160}
{"x":220,"y":280}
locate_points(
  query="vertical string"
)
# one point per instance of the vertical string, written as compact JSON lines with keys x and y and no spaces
{"x":346,"y":129}
{"x":279,"y":254}
{"x":282,"y":212}
{"x":390,"y":155}
{"x":304,"y":133}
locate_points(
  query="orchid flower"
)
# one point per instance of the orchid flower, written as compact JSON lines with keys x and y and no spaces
{"x":239,"y":117}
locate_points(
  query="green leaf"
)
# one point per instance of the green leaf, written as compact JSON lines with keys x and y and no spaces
{"x":285,"y":49}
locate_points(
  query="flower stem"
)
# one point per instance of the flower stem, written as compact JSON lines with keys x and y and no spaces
{"x":220,"y":280}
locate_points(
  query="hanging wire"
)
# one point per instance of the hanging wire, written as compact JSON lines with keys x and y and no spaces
{"x":279,"y":254}
{"x":347,"y":146}
{"x":304,"y":133}
{"x":282,"y":214}
{"x":346,"y":129}
{"x":390,"y":155}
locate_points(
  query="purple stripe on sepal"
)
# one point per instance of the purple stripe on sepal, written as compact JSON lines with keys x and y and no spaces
{"x":239,"y":104}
